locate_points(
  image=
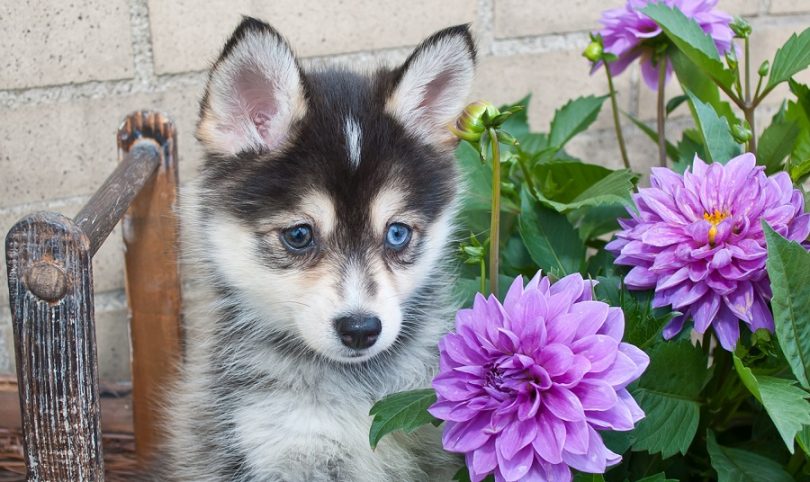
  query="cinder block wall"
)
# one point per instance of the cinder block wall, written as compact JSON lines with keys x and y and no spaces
{"x":70,"y":71}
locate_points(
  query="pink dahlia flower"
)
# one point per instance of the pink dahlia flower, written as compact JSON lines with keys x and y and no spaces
{"x":628,"y":33}
{"x":524,"y":386}
{"x":697,"y":240}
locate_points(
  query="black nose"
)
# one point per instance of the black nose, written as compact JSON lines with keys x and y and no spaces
{"x":358,"y":331}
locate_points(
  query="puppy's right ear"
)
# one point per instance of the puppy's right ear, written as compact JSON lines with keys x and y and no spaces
{"x":254,"y":93}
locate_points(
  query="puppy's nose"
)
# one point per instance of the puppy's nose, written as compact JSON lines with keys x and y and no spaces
{"x":358,"y":331}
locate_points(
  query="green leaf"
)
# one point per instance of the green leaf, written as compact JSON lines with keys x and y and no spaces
{"x":804,"y":439}
{"x":785,"y":403}
{"x":518,"y":123}
{"x":566,"y":185}
{"x":661,"y":477}
{"x":477,"y":175}
{"x":791,"y":58}
{"x":669,"y":394}
{"x":736,"y":465}
{"x":403,"y":411}
{"x":715,"y":131}
{"x":583,"y":477}
{"x":776,"y":144}
{"x":675,"y":102}
{"x":690,"y":39}
{"x":696,"y":81}
{"x":789,"y":271}
{"x":552,"y":241}
{"x":643,"y":324}
{"x":574,"y":117}
{"x":672,"y":151}
{"x":690,"y":145}
{"x":798,"y":111}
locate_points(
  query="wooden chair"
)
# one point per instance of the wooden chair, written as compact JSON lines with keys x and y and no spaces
{"x":50,"y":279}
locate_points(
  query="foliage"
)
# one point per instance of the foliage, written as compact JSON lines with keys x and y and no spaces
{"x":710,"y":414}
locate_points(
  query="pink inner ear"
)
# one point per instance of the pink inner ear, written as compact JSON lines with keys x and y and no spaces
{"x":434,"y":91}
{"x":258,"y":101}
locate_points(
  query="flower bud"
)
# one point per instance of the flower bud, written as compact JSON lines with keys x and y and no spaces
{"x":740,"y":27}
{"x":764,"y":68}
{"x":470,"y":124}
{"x":593,"y":51}
{"x":741,"y":132}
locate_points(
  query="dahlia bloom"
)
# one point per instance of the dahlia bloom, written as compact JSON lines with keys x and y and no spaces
{"x":627,"y":33}
{"x":525,"y":385}
{"x":697,"y":239}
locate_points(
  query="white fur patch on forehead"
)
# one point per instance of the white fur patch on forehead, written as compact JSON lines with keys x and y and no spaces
{"x":435,"y":82}
{"x":354,"y":140}
{"x":254,"y":93}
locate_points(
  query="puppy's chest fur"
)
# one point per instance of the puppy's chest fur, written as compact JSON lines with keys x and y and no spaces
{"x":282,"y":419}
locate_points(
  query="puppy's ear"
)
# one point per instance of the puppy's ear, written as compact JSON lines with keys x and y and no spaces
{"x":254,"y":92}
{"x":432,"y":85}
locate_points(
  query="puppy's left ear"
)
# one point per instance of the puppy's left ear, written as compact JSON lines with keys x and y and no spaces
{"x":432,"y":85}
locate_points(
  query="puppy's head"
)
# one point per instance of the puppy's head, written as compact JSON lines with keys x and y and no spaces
{"x":327,"y":197}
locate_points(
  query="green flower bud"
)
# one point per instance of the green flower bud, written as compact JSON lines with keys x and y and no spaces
{"x":764,"y":68}
{"x":740,"y":27}
{"x":470,"y":124}
{"x":593,"y":51}
{"x":741,"y":132}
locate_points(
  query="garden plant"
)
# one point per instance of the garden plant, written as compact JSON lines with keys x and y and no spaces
{"x":617,"y":332}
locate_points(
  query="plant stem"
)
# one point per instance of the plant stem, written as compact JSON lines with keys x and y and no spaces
{"x":616,"y":124}
{"x":662,"y":140}
{"x":495,"y":219}
{"x":483,"y":275}
{"x":749,"y":104}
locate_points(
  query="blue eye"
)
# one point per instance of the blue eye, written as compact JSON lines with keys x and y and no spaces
{"x":398,"y":236}
{"x":298,"y":237}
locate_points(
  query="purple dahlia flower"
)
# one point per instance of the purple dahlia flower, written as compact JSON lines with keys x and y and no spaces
{"x":697,"y":239}
{"x":626,"y":33}
{"x":525,"y":385}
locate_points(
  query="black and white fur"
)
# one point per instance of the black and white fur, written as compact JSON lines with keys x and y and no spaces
{"x":268,"y":391}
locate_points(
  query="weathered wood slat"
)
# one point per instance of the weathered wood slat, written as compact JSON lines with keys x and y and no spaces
{"x":51,"y":297}
{"x":103,"y":211}
{"x":152,"y":279}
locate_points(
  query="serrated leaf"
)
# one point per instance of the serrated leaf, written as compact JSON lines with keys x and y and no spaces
{"x":652,"y":134}
{"x":669,"y":394}
{"x":798,"y":111}
{"x":551,"y":240}
{"x":403,"y":411}
{"x":775,"y":144}
{"x":690,"y":39}
{"x":791,"y":58}
{"x":574,"y":117}
{"x":567,"y":185}
{"x":736,"y":465}
{"x":715,"y":131}
{"x":788,"y":267}
{"x":785,"y":403}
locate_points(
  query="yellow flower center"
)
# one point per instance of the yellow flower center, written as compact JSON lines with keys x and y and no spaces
{"x":715,"y":218}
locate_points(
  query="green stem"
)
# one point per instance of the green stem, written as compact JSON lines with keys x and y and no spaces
{"x":616,"y":124}
{"x":495,"y":219}
{"x":483,"y":275}
{"x":749,"y":107}
{"x":662,"y":140}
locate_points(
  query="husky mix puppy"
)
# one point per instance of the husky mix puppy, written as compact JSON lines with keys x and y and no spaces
{"x":318,"y":229}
